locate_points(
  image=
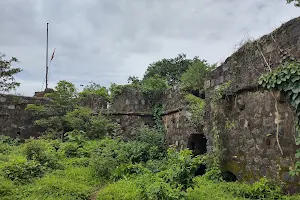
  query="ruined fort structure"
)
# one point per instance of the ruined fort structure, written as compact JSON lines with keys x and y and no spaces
{"x":248,"y":119}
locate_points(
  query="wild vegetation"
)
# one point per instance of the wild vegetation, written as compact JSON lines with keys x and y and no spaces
{"x":81,"y":156}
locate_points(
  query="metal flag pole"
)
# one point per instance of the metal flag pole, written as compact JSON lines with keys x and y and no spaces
{"x":47,"y":60}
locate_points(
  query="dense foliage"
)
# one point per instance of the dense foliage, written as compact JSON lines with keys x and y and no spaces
{"x":82,"y":154}
{"x":169,"y":69}
{"x":193,"y":78}
{"x":296,"y":2}
{"x":141,"y":168}
{"x":7,"y":81}
{"x":94,"y":89}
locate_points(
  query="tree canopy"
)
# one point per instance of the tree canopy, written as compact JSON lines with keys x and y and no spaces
{"x":169,"y":69}
{"x":7,"y":81}
{"x":193,"y":78}
{"x":296,"y":2}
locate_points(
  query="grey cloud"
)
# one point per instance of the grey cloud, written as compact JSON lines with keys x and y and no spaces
{"x":106,"y":41}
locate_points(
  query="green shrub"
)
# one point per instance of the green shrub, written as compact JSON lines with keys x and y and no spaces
{"x":7,"y":188}
{"x":152,"y":137}
{"x":155,"y":187}
{"x":76,"y":162}
{"x":121,"y":190}
{"x":5,"y":148}
{"x":8,"y":140}
{"x":22,"y":170}
{"x":112,"y":153}
{"x":68,"y":184}
{"x":54,"y":187}
{"x":147,"y":186}
{"x":128,"y":170}
{"x":42,"y":152}
{"x":204,"y":189}
{"x":207,"y":189}
{"x":79,"y":119}
{"x":180,"y":167}
{"x":71,"y":150}
{"x":101,"y":127}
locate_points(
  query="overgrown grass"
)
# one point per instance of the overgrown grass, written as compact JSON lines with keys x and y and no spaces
{"x":136,"y":169}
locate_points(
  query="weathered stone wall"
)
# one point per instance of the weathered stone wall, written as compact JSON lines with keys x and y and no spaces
{"x":130,"y":101}
{"x":131,"y":109}
{"x":246,"y":116}
{"x":245,"y":119}
{"x":177,"y":118}
{"x":15,"y":121}
{"x":94,"y":102}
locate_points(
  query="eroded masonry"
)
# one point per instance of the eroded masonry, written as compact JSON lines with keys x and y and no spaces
{"x":255,"y":126}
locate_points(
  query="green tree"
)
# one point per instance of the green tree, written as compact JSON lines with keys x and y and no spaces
{"x":133,"y":80}
{"x":7,"y":81}
{"x":153,"y":86}
{"x":94,"y":89}
{"x":296,"y":2}
{"x":193,"y":78}
{"x":169,"y":69}
{"x":51,"y":116}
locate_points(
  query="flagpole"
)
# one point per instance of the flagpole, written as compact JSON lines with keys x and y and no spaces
{"x":47,"y":60}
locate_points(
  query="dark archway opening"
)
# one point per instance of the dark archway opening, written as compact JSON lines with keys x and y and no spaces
{"x":198,"y":93}
{"x":200,"y":170}
{"x":197,"y":143}
{"x":228,"y":176}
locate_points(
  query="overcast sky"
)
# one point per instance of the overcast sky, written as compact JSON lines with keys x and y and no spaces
{"x":106,"y":41}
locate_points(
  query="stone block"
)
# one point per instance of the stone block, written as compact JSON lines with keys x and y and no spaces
{"x":2,"y":99}
{"x":225,"y":67}
{"x":207,"y":84}
{"x":212,"y":82}
{"x":220,"y":80}
{"x":250,"y":143}
{"x":11,"y":107}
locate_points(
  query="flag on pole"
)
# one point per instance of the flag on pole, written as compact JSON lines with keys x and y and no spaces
{"x":52,"y":55}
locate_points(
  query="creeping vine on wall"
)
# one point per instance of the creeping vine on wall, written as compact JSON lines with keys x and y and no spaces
{"x":286,"y":79}
{"x":216,"y":155}
{"x":157,"y":112}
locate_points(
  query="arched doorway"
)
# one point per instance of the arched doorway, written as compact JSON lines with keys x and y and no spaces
{"x":197,"y":143}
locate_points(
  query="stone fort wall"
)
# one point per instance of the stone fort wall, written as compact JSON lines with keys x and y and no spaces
{"x":246,"y":118}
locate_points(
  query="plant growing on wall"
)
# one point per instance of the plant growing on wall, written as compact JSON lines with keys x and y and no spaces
{"x":215,"y":157}
{"x":286,"y":79}
{"x":157,"y":112}
{"x":7,"y":81}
